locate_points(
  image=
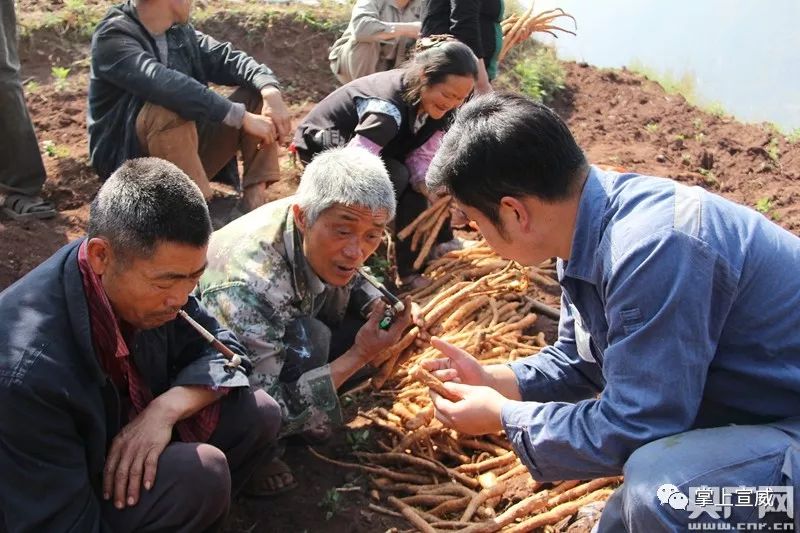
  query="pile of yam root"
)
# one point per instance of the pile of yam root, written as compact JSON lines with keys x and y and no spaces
{"x":434,"y":477}
{"x":518,"y":28}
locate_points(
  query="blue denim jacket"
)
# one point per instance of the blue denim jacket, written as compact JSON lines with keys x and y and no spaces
{"x":680,"y":308}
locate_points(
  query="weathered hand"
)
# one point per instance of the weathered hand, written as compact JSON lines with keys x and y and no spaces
{"x":414,"y":28}
{"x":371,"y":339}
{"x":458,"y":365}
{"x":422,"y":188}
{"x":133,"y":458}
{"x":482,"y":85}
{"x":260,"y":127}
{"x":477,"y":413}
{"x":274,"y":108}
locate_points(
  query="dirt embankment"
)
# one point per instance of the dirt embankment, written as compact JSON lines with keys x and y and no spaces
{"x":622,"y":119}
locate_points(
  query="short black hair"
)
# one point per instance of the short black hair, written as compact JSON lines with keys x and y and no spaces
{"x":435,"y":58}
{"x":147,"y":201}
{"x":504,"y":144}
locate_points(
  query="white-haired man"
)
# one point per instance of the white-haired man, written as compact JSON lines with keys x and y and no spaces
{"x":285,"y":279}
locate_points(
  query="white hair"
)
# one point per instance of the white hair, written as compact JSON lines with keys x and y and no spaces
{"x":348,"y":176}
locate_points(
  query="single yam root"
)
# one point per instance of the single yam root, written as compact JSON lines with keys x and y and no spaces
{"x":434,"y":384}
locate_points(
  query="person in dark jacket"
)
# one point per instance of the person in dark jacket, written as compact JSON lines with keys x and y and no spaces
{"x":400,"y":114}
{"x":475,"y":23}
{"x":149,"y":95}
{"x":114,"y":414}
{"x":22,"y":172}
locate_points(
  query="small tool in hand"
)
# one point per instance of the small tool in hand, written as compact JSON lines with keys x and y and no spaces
{"x":234,"y":359}
{"x":396,"y":306}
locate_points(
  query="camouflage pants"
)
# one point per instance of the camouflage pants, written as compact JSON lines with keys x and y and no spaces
{"x":310,"y":343}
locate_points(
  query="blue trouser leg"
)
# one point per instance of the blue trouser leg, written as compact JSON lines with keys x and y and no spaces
{"x":731,"y":456}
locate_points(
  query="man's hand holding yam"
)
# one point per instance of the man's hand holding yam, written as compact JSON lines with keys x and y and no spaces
{"x":467,"y":395}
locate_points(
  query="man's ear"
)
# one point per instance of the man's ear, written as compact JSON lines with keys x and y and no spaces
{"x":300,"y":218}
{"x":100,"y":254}
{"x":514,"y":211}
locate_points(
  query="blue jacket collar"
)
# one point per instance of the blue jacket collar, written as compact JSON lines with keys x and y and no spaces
{"x":588,"y":226}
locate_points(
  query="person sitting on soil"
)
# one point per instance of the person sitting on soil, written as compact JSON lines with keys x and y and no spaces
{"x":22,"y":172}
{"x":114,"y":414}
{"x":149,"y":95}
{"x":400,"y":114}
{"x":378,"y":38}
{"x":285,"y":279}
{"x":672,"y":311}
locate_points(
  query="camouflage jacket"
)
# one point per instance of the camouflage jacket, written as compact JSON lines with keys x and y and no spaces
{"x":258,"y":284}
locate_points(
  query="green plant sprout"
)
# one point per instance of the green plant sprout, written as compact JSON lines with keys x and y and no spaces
{"x":60,"y":74}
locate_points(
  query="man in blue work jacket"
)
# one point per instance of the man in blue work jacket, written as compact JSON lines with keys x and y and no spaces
{"x":678,"y":356}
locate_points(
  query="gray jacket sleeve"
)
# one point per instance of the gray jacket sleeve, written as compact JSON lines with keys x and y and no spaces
{"x":225,"y":65}
{"x":366,"y":20}
{"x":120,"y":58}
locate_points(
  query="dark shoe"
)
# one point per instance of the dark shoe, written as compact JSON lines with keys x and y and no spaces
{"x":24,"y":207}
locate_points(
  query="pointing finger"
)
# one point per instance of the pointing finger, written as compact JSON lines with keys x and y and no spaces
{"x":453,"y":352}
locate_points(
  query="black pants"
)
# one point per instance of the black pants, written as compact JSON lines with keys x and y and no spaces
{"x":21,"y":167}
{"x":410,"y":204}
{"x":310,"y":344}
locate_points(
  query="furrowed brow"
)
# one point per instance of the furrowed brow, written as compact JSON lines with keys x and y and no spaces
{"x":178,"y":275}
{"x":348,"y":217}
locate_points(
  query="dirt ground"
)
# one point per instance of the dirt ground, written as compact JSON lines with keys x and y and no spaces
{"x":619,"y":118}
